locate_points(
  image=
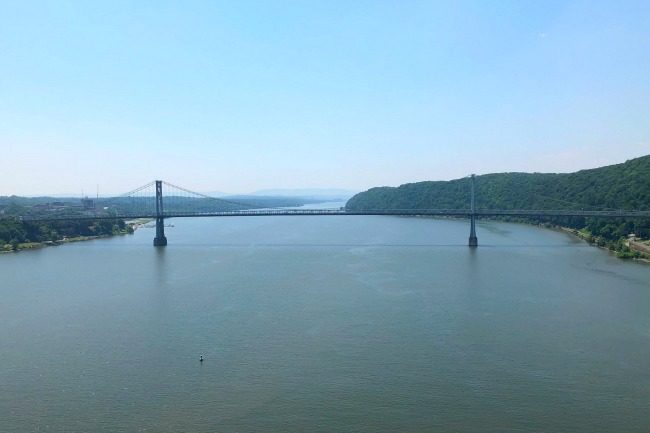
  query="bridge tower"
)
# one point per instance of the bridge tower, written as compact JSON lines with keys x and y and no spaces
{"x":160,"y":240}
{"x":473,"y":240}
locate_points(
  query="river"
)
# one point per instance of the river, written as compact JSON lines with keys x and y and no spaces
{"x":325,"y":324}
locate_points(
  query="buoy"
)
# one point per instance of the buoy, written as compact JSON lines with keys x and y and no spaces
{"x":201,"y":358}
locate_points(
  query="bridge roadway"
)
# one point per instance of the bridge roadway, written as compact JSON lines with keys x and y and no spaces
{"x":339,"y":212}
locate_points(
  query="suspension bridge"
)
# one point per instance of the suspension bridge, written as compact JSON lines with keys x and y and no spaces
{"x":160,"y":200}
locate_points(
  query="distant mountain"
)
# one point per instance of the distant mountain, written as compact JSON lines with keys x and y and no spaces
{"x":265,"y":201}
{"x":216,"y":193}
{"x":314,"y":193}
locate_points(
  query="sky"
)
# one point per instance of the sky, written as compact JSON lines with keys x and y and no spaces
{"x":238,"y":96}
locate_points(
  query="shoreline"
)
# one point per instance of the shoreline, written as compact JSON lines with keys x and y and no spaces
{"x":577,"y":233}
{"x":142,"y":222}
{"x":645,"y":258}
{"x":133,"y":225}
{"x":39,"y":245}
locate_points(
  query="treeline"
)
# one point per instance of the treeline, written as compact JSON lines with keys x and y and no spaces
{"x":14,"y":232}
{"x":621,"y":186}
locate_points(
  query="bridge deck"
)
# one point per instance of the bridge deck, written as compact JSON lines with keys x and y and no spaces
{"x":338,"y":212}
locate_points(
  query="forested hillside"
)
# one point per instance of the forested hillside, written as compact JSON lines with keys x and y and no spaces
{"x":620,"y":186}
{"x":14,"y":232}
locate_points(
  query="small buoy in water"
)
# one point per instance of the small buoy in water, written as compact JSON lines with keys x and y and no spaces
{"x":201,"y":358}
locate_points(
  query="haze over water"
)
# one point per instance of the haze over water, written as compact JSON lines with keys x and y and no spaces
{"x":325,"y":324}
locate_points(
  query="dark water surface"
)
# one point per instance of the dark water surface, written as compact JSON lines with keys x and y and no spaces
{"x":325,"y":324}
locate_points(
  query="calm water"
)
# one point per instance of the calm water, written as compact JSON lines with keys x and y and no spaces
{"x":325,"y":324}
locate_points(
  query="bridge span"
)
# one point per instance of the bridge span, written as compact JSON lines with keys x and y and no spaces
{"x":159,"y":213}
{"x":341,"y":212}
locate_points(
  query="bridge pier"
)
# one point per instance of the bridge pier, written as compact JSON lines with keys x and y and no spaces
{"x":160,"y":240}
{"x":473,"y":240}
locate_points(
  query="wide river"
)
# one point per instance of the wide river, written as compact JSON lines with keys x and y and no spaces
{"x":325,"y":324}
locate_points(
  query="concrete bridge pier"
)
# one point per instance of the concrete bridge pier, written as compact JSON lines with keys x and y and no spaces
{"x":473,"y":240}
{"x":160,"y":240}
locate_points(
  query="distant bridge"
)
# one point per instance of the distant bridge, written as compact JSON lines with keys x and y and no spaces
{"x":147,"y":202}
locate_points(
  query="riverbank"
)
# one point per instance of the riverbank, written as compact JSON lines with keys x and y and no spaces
{"x":633,"y":252}
{"x":8,"y":248}
{"x":621,"y":248}
{"x":130,"y":227}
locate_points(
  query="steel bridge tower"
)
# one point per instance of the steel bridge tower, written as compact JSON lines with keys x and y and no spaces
{"x":160,"y":240}
{"x":473,"y":240}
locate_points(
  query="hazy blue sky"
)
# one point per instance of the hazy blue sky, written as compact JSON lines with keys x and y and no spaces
{"x":237,"y":96}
